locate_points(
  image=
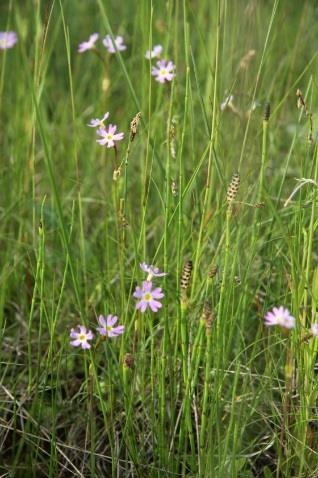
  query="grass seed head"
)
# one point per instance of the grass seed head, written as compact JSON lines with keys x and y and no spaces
{"x":246,"y":59}
{"x":267,"y":111}
{"x":237,"y":280}
{"x":186,"y":275}
{"x":300,"y":99}
{"x":207,"y":317}
{"x":172,"y":138}
{"x":123,"y":220}
{"x":128,"y":360}
{"x":134,"y":126}
{"x":233,"y":188}
{"x":301,"y":104}
{"x":213,"y":271}
{"x":174,"y":188}
{"x":185,"y":283}
{"x":116,"y":173}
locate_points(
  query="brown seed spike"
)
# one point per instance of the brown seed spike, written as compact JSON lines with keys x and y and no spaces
{"x":186,"y":275}
{"x":134,"y":125}
{"x":206,"y":311}
{"x":237,"y":280}
{"x":172,"y":138}
{"x":213,"y":271}
{"x":174,"y":188}
{"x":259,"y":205}
{"x":207,"y":317}
{"x":233,"y":188}
{"x":128,"y":360}
{"x":267,"y":111}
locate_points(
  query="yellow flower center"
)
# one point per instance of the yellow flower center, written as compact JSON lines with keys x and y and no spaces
{"x":163,"y":72}
{"x":147,"y":296}
{"x":109,"y":328}
{"x":82,"y":337}
{"x":109,"y":136}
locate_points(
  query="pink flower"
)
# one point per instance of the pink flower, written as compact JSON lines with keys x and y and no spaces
{"x":163,"y":71}
{"x":113,"y":47}
{"x":148,"y":297}
{"x":82,"y":337}
{"x":314,"y":329}
{"x":280,"y":316}
{"x":154,"y":53}
{"x":107,"y":328}
{"x":98,"y":122}
{"x":7,"y":40}
{"x":88,"y":45}
{"x":151,"y":271}
{"x":109,"y":136}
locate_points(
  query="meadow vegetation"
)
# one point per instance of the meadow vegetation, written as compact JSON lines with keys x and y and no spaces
{"x":206,"y":168}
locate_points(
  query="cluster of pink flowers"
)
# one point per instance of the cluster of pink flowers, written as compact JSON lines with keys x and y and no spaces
{"x":7,"y":40}
{"x":82,"y":336}
{"x":110,"y":45}
{"x":108,"y":134}
{"x":147,"y":296}
{"x":162,"y":72}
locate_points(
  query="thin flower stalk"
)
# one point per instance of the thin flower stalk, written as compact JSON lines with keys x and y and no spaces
{"x":208,"y":184}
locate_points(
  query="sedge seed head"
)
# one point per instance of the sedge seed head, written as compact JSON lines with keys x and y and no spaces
{"x":233,"y":188}
{"x":128,"y":360}
{"x":267,"y":111}
{"x":186,"y":275}
{"x":134,"y":126}
{"x":213,"y":271}
{"x":207,"y":317}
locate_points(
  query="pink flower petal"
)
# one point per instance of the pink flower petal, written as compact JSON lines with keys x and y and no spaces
{"x":111,"y":320}
{"x":102,"y":321}
{"x":118,"y":136}
{"x":146,"y":286}
{"x":73,"y":334}
{"x":157,"y":293}
{"x":89,"y":335}
{"x":86,"y":345}
{"x":111,"y":129}
{"x":142,"y":305}
{"x":138,"y":293}
{"x":75,"y":343}
{"x":102,"y":141}
{"x":155,"y":305}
